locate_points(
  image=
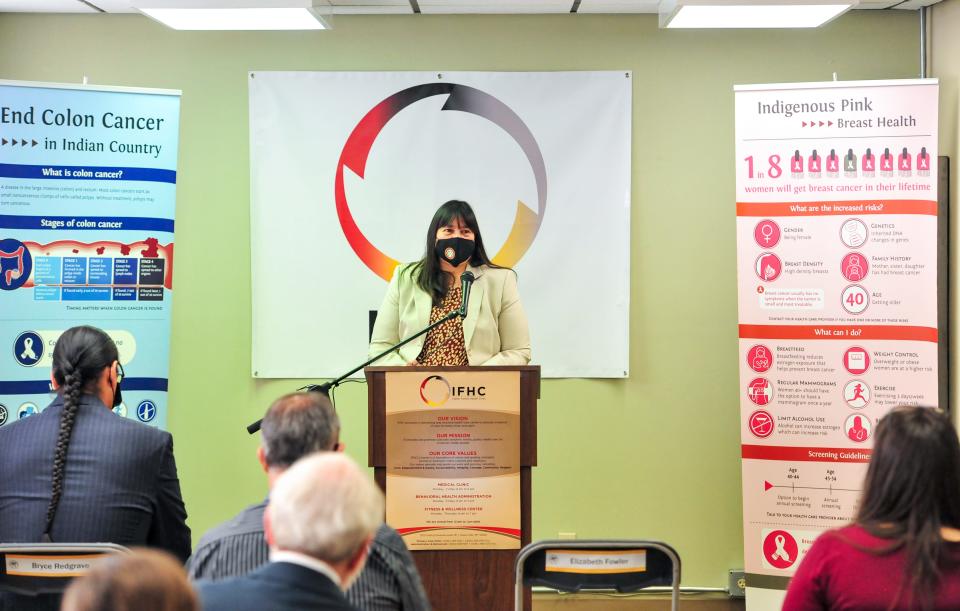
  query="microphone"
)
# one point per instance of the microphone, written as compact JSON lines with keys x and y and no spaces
{"x":466,"y":281}
{"x":320,"y":388}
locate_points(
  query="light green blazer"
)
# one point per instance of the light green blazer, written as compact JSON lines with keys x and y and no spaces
{"x":495,"y":329}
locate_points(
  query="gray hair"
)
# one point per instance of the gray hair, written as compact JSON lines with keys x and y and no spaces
{"x":296,"y":425}
{"x":325,"y":506}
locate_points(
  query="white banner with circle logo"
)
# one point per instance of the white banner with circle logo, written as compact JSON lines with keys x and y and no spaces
{"x":347,"y":169}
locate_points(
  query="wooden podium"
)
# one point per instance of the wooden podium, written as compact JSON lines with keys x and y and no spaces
{"x":459,"y":579}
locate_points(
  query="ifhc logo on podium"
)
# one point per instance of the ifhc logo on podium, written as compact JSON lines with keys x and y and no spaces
{"x":436,"y":390}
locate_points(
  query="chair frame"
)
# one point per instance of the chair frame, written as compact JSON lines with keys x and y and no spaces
{"x":600,"y":545}
{"x":53,"y":584}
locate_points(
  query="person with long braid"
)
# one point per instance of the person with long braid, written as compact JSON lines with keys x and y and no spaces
{"x":77,"y":472}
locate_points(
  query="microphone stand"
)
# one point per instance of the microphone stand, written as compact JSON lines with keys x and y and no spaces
{"x":326,"y":387}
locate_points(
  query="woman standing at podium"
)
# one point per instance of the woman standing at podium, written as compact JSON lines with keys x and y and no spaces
{"x":494,"y":332}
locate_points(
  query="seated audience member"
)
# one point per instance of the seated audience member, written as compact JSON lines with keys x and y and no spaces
{"x":903,"y":550}
{"x":294,"y":426}
{"x":321,"y":520}
{"x":145,"y":580}
{"x":77,"y":472}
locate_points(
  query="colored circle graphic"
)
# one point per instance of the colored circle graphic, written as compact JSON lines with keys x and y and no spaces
{"x":780,"y":549}
{"x":856,"y":360}
{"x":760,"y":391}
{"x":146,"y":411}
{"x":759,"y":358}
{"x":858,"y":428}
{"x":767,"y":233}
{"x":761,"y":423}
{"x":855,"y":299}
{"x":15,"y":264}
{"x":854,"y":266}
{"x":26,"y":410}
{"x":28,"y":348}
{"x":856,"y":393}
{"x":768,"y":267}
{"x":430,"y":396}
{"x":461,"y":98}
{"x":853,"y":233}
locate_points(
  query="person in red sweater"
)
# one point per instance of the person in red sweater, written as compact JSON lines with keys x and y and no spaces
{"x":903,"y":550}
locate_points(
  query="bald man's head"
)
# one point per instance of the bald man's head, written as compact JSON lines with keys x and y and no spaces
{"x":296,"y":425}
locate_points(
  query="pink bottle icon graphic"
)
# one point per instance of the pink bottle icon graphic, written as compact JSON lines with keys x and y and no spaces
{"x":796,"y":165}
{"x":886,"y":163}
{"x":850,"y":164}
{"x":904,"y":162}
{"x":868,"y":164}
{"x":923,"y":162}
{"x":833,"y":164}
{"x":813,"y":165}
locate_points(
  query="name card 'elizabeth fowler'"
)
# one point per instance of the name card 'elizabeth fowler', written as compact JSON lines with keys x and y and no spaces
{"x":595,"y":562}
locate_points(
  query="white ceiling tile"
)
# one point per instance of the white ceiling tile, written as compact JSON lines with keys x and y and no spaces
{"x":363,"y":7}
{"x":875,"y":4}
{"x":113,"y":6}
{"x":618,"y":6}
{"x":371,"y":7}
{"x":495,"y":6}
{"x":911,"y":5}
{"x":44,"y":6}
{"x":373,"y":10}
{"x":369,"y":3}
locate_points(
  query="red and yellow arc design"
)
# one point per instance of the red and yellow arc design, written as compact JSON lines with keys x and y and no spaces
{"x":524,"y":230}
{"x":431,"y":402}
{"x":354,"y":156}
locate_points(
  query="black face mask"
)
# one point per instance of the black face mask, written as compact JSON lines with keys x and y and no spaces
{"x":454,"y":250}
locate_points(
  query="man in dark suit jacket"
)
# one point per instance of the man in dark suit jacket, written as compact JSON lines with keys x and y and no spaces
{"x":120,"y":483}
{"x":78,"y":473}
{"x":275,"y":586}
{"x":322,"y":517}
{"x":296,"y":425}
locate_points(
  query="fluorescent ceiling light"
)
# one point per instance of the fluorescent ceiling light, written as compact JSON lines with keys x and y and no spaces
{"x":237,"y":18}
{"x":745,"y":15}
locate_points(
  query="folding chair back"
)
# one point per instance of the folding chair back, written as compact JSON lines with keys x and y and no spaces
{"x":621,"y":565}
{"x":47,"y":568}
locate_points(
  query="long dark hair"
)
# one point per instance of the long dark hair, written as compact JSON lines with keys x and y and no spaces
{"x":912,"y":489}
{"x":79,"y":358}
{"x":430,"y":277}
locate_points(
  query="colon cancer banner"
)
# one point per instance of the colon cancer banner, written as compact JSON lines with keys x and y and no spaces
{"x":347,"y":169}
{"x":87,"y":197}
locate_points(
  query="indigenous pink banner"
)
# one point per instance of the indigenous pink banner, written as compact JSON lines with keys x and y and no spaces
{"x":837,"y":282}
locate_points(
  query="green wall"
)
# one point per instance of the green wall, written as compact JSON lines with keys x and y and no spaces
{"x":654,"y":456}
